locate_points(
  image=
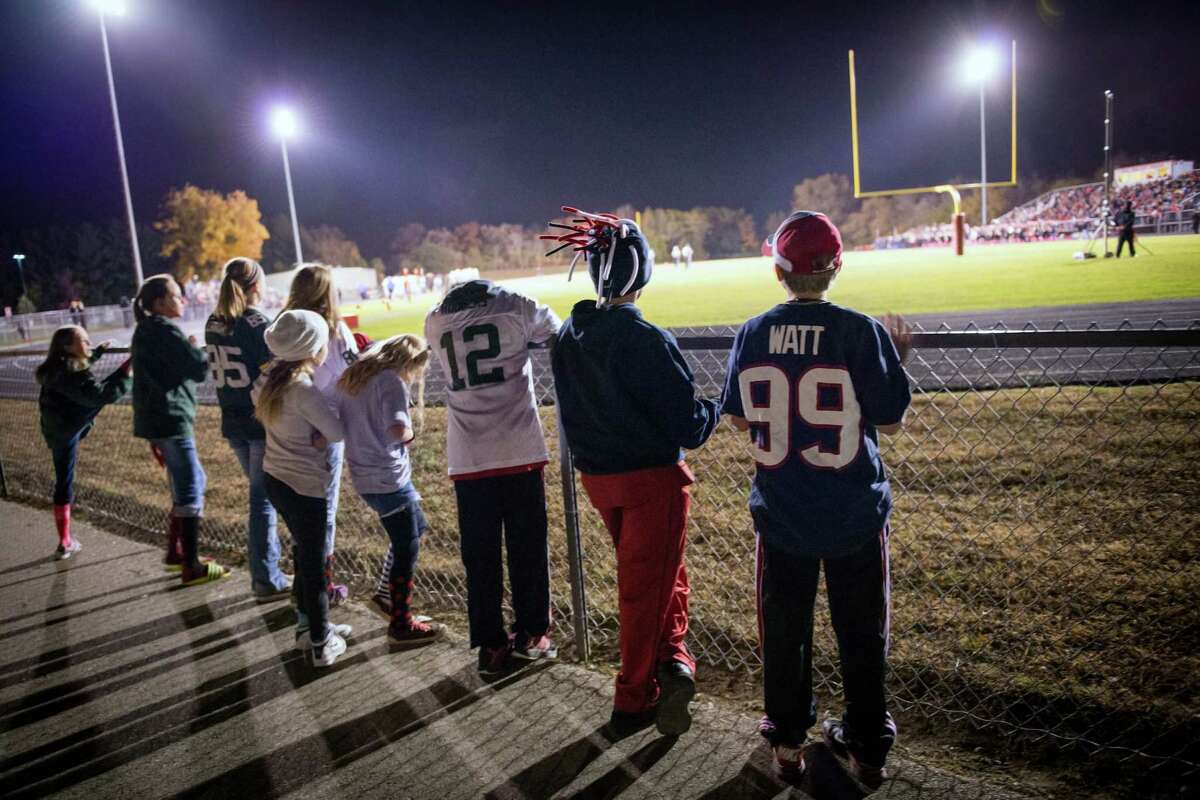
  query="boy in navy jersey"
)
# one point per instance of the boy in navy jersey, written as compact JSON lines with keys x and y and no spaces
{"x":813,"y":382}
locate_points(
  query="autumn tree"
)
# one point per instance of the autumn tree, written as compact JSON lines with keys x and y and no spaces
{"x":202,"y":229}
{"x":829,"y":193}
{"x":728,"y":232}
{"x":407,"y":239}
{"x":666,"y":227}
{"x":279,"y":250}
{"x":328,"y":244}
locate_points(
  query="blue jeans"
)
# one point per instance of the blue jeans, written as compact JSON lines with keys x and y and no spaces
{"x":185,"y":475}
{"x":336,"y":455}
{"x":262,"y":544}
{"x":64,"y":471}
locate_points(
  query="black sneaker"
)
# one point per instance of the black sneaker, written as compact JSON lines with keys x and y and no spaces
{"x":495,"y":661}
{"x":834,"y":733}
{"x":623,"y":724}
{"x":789,"y":763}
{"x":678,"y":687}
{"x":529,"y":648}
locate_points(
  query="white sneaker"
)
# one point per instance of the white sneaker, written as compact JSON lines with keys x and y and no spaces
{"x":304,"y":642}
{"x":63,"y":553}
{"x":334,"y":646}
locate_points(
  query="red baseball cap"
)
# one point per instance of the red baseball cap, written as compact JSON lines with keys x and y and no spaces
{"x":803,"y":242}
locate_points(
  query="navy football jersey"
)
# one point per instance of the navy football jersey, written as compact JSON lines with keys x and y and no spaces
{"x":236,"y":356}
{"x":813,"y":380}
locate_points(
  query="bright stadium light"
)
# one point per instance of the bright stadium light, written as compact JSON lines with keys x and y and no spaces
{"x":113,"y":8}
{"x":283,"y":122}
{"x":285,"y":126}
{"x":979,"y":64}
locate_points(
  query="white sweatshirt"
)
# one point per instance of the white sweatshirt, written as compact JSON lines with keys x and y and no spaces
{"x":291,"y":456}
{"x":343,"y":351}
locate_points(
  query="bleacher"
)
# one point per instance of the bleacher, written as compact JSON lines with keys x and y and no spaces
{"x":1166,"y":205}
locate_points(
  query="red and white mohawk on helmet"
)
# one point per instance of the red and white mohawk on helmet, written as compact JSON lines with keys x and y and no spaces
{"x":618,"y":257}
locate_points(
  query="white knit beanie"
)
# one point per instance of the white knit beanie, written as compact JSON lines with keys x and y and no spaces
{"x":297,"y":335}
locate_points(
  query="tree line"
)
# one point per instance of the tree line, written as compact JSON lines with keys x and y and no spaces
{"x":198,"y":229}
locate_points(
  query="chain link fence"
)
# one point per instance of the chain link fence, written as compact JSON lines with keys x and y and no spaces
{"x":1046,"y":566}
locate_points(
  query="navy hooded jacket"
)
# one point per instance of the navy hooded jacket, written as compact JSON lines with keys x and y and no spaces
{"x":626,"y":395}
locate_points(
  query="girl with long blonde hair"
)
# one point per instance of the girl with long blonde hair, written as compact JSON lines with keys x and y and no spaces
{"x":313,"y":289}
{"x":375,"y":399}
{"x":300,"y":425}
{"x":237,"y":352}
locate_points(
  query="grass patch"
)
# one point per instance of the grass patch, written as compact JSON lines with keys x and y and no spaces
{"x":1046,"y":576}
{"x":728,"y":292}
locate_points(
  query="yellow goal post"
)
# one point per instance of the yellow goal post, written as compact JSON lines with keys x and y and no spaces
{"x":951,"y":189}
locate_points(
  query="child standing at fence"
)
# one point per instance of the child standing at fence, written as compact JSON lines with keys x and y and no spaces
{"x":813,"y":383}
{"x":69,"y":400}
{"x":629,"y":408}
{"x":496,"y":452}
{"x":237,"y":352}
{"x":300,"y":426}
{"x":374,"y":398}
{"x":313,"y":290}
{"x":167,"y":365}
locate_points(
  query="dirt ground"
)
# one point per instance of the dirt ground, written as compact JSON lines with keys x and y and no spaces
{"x":1046,"y":579}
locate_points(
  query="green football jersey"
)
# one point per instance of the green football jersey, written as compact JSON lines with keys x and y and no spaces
{"x":237,"y":354}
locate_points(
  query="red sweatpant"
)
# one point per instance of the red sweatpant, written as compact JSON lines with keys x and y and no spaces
{"x":646,"y":513}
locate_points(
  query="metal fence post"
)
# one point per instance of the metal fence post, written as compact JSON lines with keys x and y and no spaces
{"x":579,"y":611}
{"x":3,"y":480}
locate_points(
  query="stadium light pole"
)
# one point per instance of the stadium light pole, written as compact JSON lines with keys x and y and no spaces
{"x":1108,"y":176}
{"x":285,"y":126}
{"x":116,"y":8}
{"x":20,"y":259}
{"x":978,"y":66}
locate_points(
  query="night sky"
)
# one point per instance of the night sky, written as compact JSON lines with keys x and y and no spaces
{"x":441,"y":112}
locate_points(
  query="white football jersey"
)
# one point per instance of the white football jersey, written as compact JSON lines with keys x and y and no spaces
{"x":480,"y":333}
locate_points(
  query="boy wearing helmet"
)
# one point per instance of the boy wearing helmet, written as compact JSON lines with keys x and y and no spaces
{"x":813,"y":382}
{"x":629,"y":408}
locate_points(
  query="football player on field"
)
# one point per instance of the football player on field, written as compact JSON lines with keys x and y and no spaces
{"x":480,"y":334}
{"x":629,"y":408}
{"x":813,"y":383}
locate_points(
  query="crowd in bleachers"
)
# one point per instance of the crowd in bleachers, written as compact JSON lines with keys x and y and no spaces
{"x":942,"y":235}
{"x":1064,"y":213}
{"x":1150,"y":199}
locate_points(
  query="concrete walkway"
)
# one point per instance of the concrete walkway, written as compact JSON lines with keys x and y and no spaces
{"x":117,"y":682}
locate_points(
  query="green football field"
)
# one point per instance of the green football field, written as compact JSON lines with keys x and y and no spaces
{"x":902,"y":281}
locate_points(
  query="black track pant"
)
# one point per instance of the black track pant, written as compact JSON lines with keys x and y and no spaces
{"x":512,"y":507}
{"x":305,"y":517}
{"x":1125,"y":238}
{"x":859,"y":601}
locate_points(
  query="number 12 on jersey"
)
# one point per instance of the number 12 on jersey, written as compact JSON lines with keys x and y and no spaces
{"x":491,"y":349}
{"x":821,"y":399}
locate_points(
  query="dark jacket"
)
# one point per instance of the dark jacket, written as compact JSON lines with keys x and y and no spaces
{"x":70,"y":400}
{"x":237,"y":353}
{"x":166,"y":369}
{"x":626,"y":395}
{"x":1125,"y":219}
